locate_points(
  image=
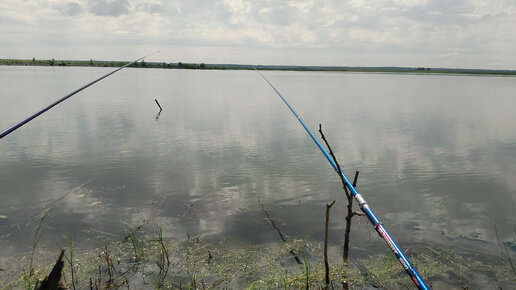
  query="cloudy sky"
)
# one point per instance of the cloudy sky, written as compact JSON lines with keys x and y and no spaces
{"x":428,"y":33}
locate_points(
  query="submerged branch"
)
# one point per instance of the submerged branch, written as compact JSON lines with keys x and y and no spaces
{"x":282,"y":236}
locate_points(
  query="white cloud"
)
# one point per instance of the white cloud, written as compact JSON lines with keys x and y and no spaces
{"x":108,"y":7}
{"x":410,"y":3}
{"x":396,"y":32}
{"x":72,"y":8}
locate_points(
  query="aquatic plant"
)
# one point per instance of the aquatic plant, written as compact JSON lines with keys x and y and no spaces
{"x":41,"y":227}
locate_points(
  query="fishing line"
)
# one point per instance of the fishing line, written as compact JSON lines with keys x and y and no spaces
{"x":31,"y":117}
{"x":379,"y":227}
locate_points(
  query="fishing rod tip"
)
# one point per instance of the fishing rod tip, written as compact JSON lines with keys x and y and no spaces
{"x":157,"y":51}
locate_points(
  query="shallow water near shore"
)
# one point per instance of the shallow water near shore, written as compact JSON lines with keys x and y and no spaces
{"x":436,"y":154}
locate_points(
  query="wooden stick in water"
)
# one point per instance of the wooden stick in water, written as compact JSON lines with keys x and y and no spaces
{"x":160,"y":108}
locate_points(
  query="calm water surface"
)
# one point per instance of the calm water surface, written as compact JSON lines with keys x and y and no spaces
{"x":436,"y":154}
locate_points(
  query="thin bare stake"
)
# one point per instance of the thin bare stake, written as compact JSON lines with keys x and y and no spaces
{"x":355,"y":180}
{"x":326,"y":263}
{"x":349,"y":216}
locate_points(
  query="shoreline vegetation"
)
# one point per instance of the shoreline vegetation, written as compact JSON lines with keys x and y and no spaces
{"x":204,"y":66}
{"x":146,"y":259}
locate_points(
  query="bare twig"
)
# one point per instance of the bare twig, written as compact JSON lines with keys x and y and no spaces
{"x":339,"y":171}
{"x":349,"y":196}
{"x":326,"y":263}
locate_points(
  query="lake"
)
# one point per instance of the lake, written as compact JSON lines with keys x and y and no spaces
{"x":436,"y":155}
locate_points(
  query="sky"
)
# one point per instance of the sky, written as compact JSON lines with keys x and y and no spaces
{"x":413,"y":33}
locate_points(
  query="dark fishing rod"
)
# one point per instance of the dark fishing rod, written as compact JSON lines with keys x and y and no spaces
{"x":379,"y":227}
{"x":31,"y":117}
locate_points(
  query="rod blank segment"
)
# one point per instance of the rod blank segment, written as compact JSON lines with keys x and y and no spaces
{"x":33,"y":116}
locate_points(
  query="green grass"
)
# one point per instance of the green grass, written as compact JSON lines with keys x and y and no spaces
{"x":193,"y":264}
{"x":29,"y":276}
{"x":186,"y":265}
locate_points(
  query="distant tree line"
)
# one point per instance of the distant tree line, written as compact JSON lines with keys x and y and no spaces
{"x":191,"y":65}
{"x":183,"y":65}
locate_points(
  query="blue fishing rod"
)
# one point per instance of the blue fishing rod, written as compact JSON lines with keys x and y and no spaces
{"x":379,"y":227}
{"x":31,"y":117}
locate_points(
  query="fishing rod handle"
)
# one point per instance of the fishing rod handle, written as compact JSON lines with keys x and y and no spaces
{"x":398,"y":252}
